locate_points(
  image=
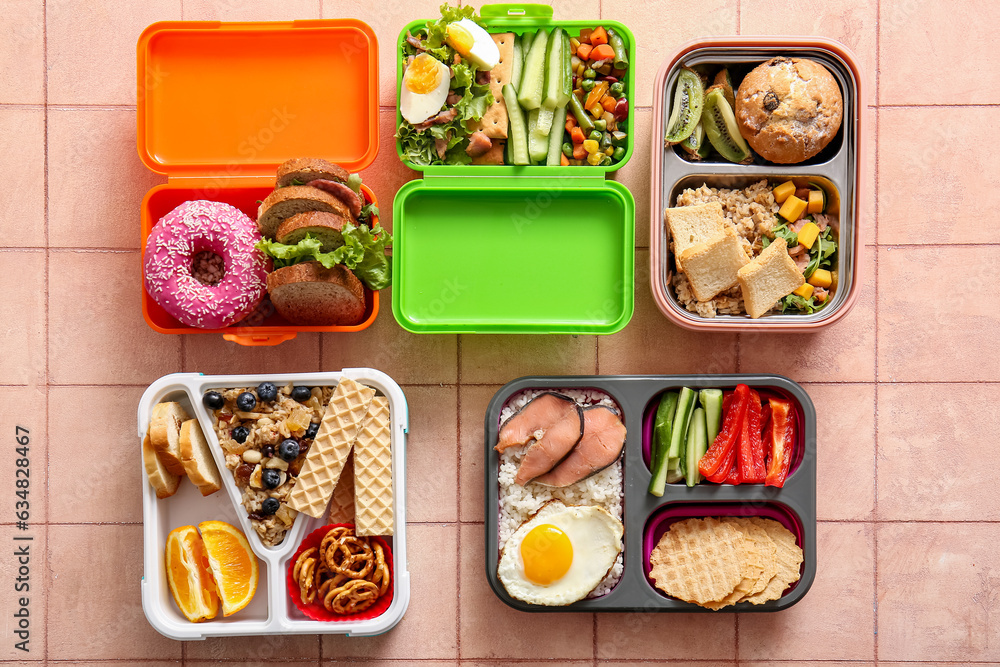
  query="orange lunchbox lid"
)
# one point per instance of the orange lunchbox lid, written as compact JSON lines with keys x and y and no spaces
{"x":222,"y":105}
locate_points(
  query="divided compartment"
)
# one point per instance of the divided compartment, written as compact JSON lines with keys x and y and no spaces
{"x":637,"y":395}
{"x":271,"y":611}
{"x":838,"y":167}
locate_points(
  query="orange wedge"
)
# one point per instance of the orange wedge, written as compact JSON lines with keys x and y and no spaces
{"x":188,"y":575}
{"x":232,"y":563}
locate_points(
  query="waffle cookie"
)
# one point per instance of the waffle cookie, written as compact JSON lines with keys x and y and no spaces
{"x":373,"y":472}
{"x":342,"y":502}
{"x":325,"y":461}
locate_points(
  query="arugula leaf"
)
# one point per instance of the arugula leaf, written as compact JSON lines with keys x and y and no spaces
{"x":796,"y":302}
{"x":783,"y":231}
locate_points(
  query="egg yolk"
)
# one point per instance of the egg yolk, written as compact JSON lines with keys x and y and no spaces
{"x":459,"y":39}
{"x":423,"y":75}
{"x":546,"y":553}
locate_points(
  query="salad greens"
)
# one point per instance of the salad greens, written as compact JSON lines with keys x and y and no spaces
{"x":419,"y":146}
{"x":821,"y":256}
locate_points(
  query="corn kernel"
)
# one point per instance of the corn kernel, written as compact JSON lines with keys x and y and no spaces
{"x":805,"y":291}
{"x":590,"y":146}
{"x":609,"y":151}
{"x":574,"y":43}
{"x":821,"y":278}
{"x":594,"y":159}
{"x":808,"y":234}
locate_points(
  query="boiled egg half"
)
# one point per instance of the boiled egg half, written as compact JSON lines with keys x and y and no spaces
{"x":425,"y":88}
{"x":560,"y":554}
{"x":473,"y":43}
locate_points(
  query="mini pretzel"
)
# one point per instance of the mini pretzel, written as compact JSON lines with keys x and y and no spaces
{"x":345,"y":574}
{"x":303,"y":557}
{"x":381,"y":574}
{"x":352,"y":557}
{"x":356,"y":595}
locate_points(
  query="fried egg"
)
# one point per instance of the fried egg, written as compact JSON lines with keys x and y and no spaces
{"x":425,"y":88}
{"x":560,"y":554}
{"x":473,"y":43}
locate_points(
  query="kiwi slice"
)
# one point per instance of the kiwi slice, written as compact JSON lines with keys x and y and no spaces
{"x":721,"y":128}
{"x":723,"y":79}
{"x":689,"y":101}
{"x":696,"y":146}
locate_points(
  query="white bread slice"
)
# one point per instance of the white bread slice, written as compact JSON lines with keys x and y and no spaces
{"x":769,"y":276}
{"x":197,"y":459}
{"x":691,"y":225}
{"x":283,"y":203}
{"x":164,"y":482}
{"x":711,"y":267}
{"x":309,"y":294}
{"x":164,"y":434}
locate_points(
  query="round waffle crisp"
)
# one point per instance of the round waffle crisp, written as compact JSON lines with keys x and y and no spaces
{"x":699,"y":560}
{"x":788,"y":558}
{"x":765,"y":547}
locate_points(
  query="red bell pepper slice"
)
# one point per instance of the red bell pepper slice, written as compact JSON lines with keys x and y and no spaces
{"x":781,"y":442}
{"x":734,"y":476}
{"x":715,"y":464}
{"x":750,"y":450}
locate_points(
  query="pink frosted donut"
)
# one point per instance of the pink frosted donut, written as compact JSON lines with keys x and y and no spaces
{"x":205,"y":226}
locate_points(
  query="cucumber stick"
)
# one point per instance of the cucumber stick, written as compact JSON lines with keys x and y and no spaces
{"x":538,"y":146}
{"x":662,"y":428}
{"x":697,"y":445}
{"x":545,"y":117}
{"x":556,"y":95}
{"x":678,"y":436}
{"x":711,"y":400}
{"x":518,"y":142}
{"x":530,"y":94}
{"x":555,"y":138}
{"x":518,"y":65}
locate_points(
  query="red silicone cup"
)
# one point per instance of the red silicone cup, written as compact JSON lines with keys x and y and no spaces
{"x":317,"y":611}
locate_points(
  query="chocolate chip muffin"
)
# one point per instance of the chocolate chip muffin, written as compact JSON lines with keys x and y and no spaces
{"x":789,"y":109}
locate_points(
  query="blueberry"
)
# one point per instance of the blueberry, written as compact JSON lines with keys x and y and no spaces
{"x":269,"y":506}
{"x":213,"y":400}
{"x":288,"y":449}
{"x":312,"y":431}
{"x":301,"y":394}
{"x":246,"y":401}
{"x":270,"y":478}
{"x":266,"y":391}
{"x":239,"y":434}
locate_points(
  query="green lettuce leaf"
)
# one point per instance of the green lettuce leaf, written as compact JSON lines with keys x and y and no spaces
{"x":796,"y":302}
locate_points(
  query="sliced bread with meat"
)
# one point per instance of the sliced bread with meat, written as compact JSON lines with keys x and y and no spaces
{"x":691,"y":225}
{"x":301,"y":170}
{"x":310,"y":294}
{"x":768,"y":277}
{"x":711,"y":267}
{"x":197,"y":458}
{"x":326,"y":227}
{"x":164,"y":434}
{"x":163,"y":481}
{"x":283,"y":203}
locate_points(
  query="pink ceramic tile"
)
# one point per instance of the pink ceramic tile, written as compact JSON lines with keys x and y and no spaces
{"x":79,"y":627}
{"x":22,"y":311}
{"x":637,"y":636}
{"x":250,"y":10}
{"x":835,"y":620}
{"x":22,"y":167}
{"x":918,"y":40}
{"x":91,"y":48}
{"x":23,"y":604}
{"x":389,"y":663}
{"x":651,"y":344}
{"x":843,"y":352}
{"x":212,"y":354}
{"x":484,"y":617}
{"x":942,"y":176}
{"x":428,"y":630}
{"x":936,"y":308}
{"x":527,"y":663}
{"x":387,"y":174}
{"x":525,"y":355}
{"x":867,"y":213}
{"x":96,"y":330}
{"x":473,"y":411}
{"x":92,"y":488}
{"x":812,"y":663}
{"x":431,"y":454}
{"x":845,"y":446}
{"x":409,"y":358}
{"x":21,"y":64}
{"x":23,"y":418}
{"x":916,"y":423}
{"x":938,"y":589}
{"x":635,"y":174}
{"x":132,"y":663}
{"x":661,"y":31}
{"x":848,"y":22}
{"x":96,"y":181}
{"x":268,"y":647}
{"x":671,"y":663}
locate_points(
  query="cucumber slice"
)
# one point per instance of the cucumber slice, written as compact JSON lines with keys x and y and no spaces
{"x":556,"y":138}
{"x":678,"y":436}
{"x":546,"y":114}
{"x":530,"y":93}
{"x":674,"y":472}
{"x":567,"y":83}
{"x":518,"y":142}
{"x":538,"y":146}
{"x":555,"y":72}
{"x":518,"y":65}
{"x":711,"y":400}
{"x":697,"y":445}
{"x":662,"y":428}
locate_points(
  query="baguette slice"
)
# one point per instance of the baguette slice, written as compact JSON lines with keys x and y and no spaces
{"x":283,"y":203}
{"x":164,"y":482}
{"x":305,"y":169}
{"x":711,"y":267}
{"x":309,"y":294}
{"x":327,"y":227}
{"x":691,"y":225}
{"x":769,"y":276}
{"x":197,"y":459}
{"x":164,"y":434}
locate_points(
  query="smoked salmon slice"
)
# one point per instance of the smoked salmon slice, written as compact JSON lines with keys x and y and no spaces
{"x":537,"y":416}
{"x":601,"y":444}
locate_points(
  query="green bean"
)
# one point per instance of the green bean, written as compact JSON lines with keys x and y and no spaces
{"x":621,"y":52}
{"x":582,"y":117}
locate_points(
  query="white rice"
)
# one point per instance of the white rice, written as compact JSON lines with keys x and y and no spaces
{"x":518,"y":503}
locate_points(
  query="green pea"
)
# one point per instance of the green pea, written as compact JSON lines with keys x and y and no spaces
{"x":617,"y":89}
{"x":595,"y":135}
{"x":601,"y":124}
{"x":587,"y":85}
{"x":567,"y":149}
{"x":589,"y":73}
{"x":605,"y":160}
{"x":618,"y":154}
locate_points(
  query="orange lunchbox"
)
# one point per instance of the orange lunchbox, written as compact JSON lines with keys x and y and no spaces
{"x":221,"y":105}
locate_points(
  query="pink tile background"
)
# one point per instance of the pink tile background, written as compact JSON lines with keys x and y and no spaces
{"x":905,"y":387}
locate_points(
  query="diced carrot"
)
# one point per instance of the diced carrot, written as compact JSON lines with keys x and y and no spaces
{"x":609,"y":103}
{"x":585,"y":35}
{"x":576,"y":134}
{"x":583,"y":51}
{"x":579,"y":152}
{"x":602,"y":52}
{"x":570,"y":122}
{"x":563,"y":160}
{"x":599,"y":36}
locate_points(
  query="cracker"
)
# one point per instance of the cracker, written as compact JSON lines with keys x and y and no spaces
{"x":752,"y":569}
{"x":699,"y":560}
{"x":494,"y":121}
{"x":788,"y":557}
{"x":494,"y":155}
{"x":764,"y":547}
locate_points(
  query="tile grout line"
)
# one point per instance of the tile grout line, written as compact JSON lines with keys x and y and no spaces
{"x":458,"y":495}
{"x":45,"y":187}
{"x":878,"y":239}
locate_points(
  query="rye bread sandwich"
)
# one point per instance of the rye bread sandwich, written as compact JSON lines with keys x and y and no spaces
{"x":325,"y":242}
